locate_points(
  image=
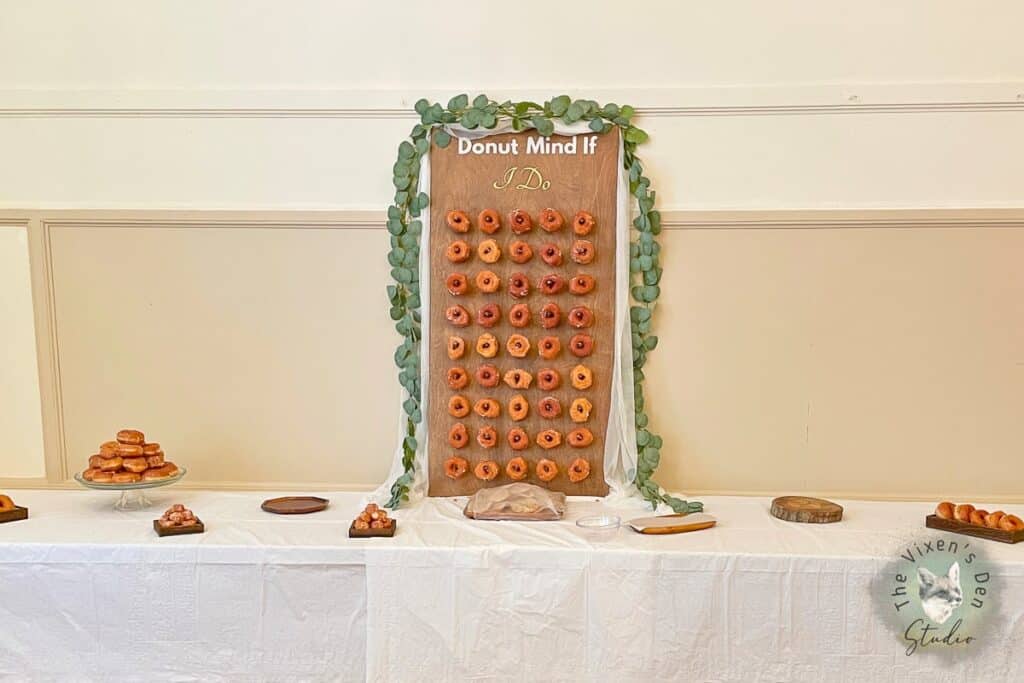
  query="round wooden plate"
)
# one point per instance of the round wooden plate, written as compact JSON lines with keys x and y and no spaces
{"x":804,"y":509}
{"x":295,"y":505}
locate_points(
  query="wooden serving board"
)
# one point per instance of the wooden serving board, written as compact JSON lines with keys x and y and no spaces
{"x":196,"y":528}
{"x":353,"y":532}
{"x":294,"y":505}
{"x":806,"y":510}
{"x":17,"y":514}
{"x":672,"y":524}
{"x":958,"y":527}
{"x":470,"y":182}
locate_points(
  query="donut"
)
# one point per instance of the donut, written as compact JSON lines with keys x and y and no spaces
{"x":458,"y":221}
{"x":550,"y":315}
{"x":579,"y":469}
{"x":945,"y":510}
{"x":487,"y":407}
{"x":581,"y":317}
{"x":978,"y":517}
{"x":549,"y":407}
{"x":582,"y":223}
{"x":993,"y":519}
{"x":518,"y":379}
{"x":458,"y":406}
{"x":131,"y":436}
{"x":581,"y":437}
{"x":486,"y":470}
{"x":519,"y":315}
{"x":488,"y":315}
{"x":551,"y":284}
{"x":583,"y":251}
{"x":580,"y":409}
{"x":520,"y":222}
{"x":546,"y":469}
{"x":487,"y":345}
{"x":549,"y":438}
{"x":458,"y":435}
{"x":137,"y":465}
{"x":457,"y":284}
{"x":581,"y":345}
{"x":519,"y":252}
{"x":518,"y":439}
{"x":168,"y":470}
{"x":6,"y":504}
{"x":549,"y":347}
{"x":457,"y":251}
{"x":487,"y":437}
{"x":489,"y":251}
{"x":95,"y":460}
{"x":488,"y":282}
{"x":88,"y":475}
{"x":518,"y":346}
{"x":455,"y":467}
{"x":549,"y":379}
{"x":581,"y":284}
{"x":518,"y":408}
{"x":112,"y":464}
{"x":487,"y":376}
{"x":126,"y":477}
{"x":102,"y":477}
{"x":489,"y":221}
{"x":458,"y":378}
{"x":581,"y":377}
{"x":127,"y":450}
{"x":151,"y":449}
{"x":518,"y":285}
{"x":551,"y":254}
{"x":457,"y":315}
{"x":963,"y":512}
{"x":155,"y":460}
{"x":456,"y":347}
{"x":108,"y":449}
{"x":517,"y":469}
{"x":1011,"y":523}
{"x":551,"y":220}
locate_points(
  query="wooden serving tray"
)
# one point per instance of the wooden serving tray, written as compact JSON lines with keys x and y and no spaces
{"x":672,"y":524}
{"x":295,"y":505}
{"x":196,"y":528}
{"x":958,"y":527}
{"x":353,"y":532}
{"x":18,"y":513}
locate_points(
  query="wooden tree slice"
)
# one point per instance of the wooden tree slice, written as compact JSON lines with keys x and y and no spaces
{"x":808,"y":510}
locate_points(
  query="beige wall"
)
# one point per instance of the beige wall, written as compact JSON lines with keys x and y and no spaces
{"x":807,"y":351}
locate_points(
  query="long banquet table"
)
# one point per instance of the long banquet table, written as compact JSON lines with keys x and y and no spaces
{"x":90,"y":593}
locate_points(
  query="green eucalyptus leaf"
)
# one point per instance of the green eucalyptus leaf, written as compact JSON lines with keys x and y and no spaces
{"x":406,"y":150}
{"x":652,"y":277}
{"x":410,"y":443}
{"x":634,"y":250}
{"x":597,"y":125}
{"x":644,"y":327}
{"x":651,"y":292}
{"x":394,"y":212}
{"x":458,"y":102}
{"x":634,"y":265}
{"x":655,"y":441}
{"x":401,"y":198}
{"x":424,"y":200}
{"x":396,"y":313}
{"x":610,"y":110}
{"x":573,"y":113}
{"x":409,"y":405}
{"x":415,"y":227}
{"x":395,"y":226}
{"x":422,"y":145}
{"x":403,"y":275}
{"x":488,"y":120}
{"x":646,"y":262}
{"x":522,"y":108}
{"x":481,"y":101}
{"x":560,"y":105}
{"x":626,"y":112}
{"x":543,"y":125}
{"x":413,"y":302}
{"x":421,"y":106}
{"x":651,"y":343}
{"x":416,"y":417}
{"x":442,"y":138}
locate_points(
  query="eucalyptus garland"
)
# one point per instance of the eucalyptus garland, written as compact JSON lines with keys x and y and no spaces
{"x":405,"y":227}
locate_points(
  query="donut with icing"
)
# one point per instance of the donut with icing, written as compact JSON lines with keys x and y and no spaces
{"x":580,"y":409}
{"x":518,"y":439}
{"x":519,"y":315}
{"x":95,"y":460}
{"x":489,"y":221}
{"x":131,"y":436}
{"x":489,"y":251}
{"x":551,"y":254}
{"x":518,"y":408}
{"x":946,"y":510}
{"x":137,"y":465}
{"x":579,"y":469}
{"x":151,"y":449}
{"x":458,"y":406}
{"x":581,"y":437}
{"x":581,"y":345}
{"x":551,"y":284}
{"x":581,"y":317}
{"x":458,"y":221}
{"x":518,"y":378}
{"x":546,"y":470}
{"x":129,"y":450}
{"x":517,"y":469}
{"x":487,"y":407}
{"x":457,"y":284}
{"x":155,"y":460}
{"x":581,"y":283}
{"x":108,"y":449}
{"x":519,"y":252}
{"x":487,"y":376}
{"x":551,"y":220}
{"x":550,"y":315}
{"x":111,"y":464}
{"x":581,"y":377}
{"x":518,"y":285}
{"x":583,"y":223}
{"x":549,"y":347}
{"x":993,"y":518}
{"x":549,"y":407}
{"x":458,"y":378}
{"x":457,"y":251}
{"x":583,"y":252}
{"x":486,"y":470}
{"x":487,"y":345}
{"x":487,"y":437}
{"x":126,"y":477}
{"x":488,"y":315}
{"x":549,"y":379}
{"x":6,"y":504}
{"x":518,"y":346}
{"x":457,"y":315}
{"x":549,"y":438}
{"x":456,"y":347}
{"x":455,"y":467}
{"x":486,"y":281}
{"x":458,"y":435}
{"x":1011,"y":523}
{"x":520,"y":222}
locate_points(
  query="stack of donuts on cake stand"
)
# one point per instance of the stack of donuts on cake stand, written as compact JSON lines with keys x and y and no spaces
{"x":127,"y":464}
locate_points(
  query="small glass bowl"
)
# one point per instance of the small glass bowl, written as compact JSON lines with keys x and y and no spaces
{"x":599,"y":527}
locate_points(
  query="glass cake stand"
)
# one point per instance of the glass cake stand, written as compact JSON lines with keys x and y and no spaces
{"x":133,"y":496}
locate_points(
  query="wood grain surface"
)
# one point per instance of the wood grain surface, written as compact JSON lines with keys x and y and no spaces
{"x":467,"y":182}
{"x":958,"y":527}
{"x":806,"y":510}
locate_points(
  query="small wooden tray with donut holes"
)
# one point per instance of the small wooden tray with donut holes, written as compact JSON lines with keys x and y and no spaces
{"x":15,"y":515}
{"x":196,"y":528}
{"x":958,"y":527}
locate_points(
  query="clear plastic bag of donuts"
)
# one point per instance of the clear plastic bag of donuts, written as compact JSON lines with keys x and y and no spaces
{"x":519,"y":501}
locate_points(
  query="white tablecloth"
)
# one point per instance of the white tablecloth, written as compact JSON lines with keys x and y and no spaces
{"x":89,"y":593}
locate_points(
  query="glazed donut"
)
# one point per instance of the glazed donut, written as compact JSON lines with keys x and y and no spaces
{"x":520,"y":222}
{"x":168,"y":470}
{"x":581,"y":345}
{"x":550,"y":315}
{"x":489,"y":221}
{"x":112,"y":464}
{"x":458,"y":221}
{"x":455,"y":467}
{"x":549,"y":379}
{"x":546,"y":469}
{"x":6,"y":504}
{"x":518,"y":439}
{"x":457,"y":251}
{"x":963,"y":512}
{"x":151,"y":449}
{"x":488,"y":315}
{"x":581,"y":284}
{"x":127,"y":450}
{"x":551,"y":284}
{"x":518,"y":408}
{"x":978,"y":517}
{"x":518,"y":379}
{"x":457,"y":284}
{"x":102,"y":477}
{"x":487,"y":437}
{"x":551,"y":220}
{"x":488,"y":282}
{"x":946,"y":510}
{"x":519,"y":315}
{"x":456,"y":347}
{"x":519,"y":252}
{"x":517,"y":469}
{"x":88,"y":475}
{"x":581,"y":377}
{"x":581,"y":437}
{"x":549,"y":407}
{"x":487,"y":345}
{"x":486,"y":470}
{"x":1011,"y":523}
{"x":581,"y":317}
{"x":137,"y":465}
{"x":458,"y":435}
{"x":549,"y":438}
{"x":518,"y":285}
{"x":993,"y":519}
{"x":155,"y":460}
{"x":458,"y":378}
{"x":125,"y":477}
{"x":457,"y":315}
{"x":458,"y":406}
{"x":131,"y":436}
{"x":487,"y":407}
{"x":549,"y":347}
{"x":108,"y":449}
{"x":518,"y":346}
{"x":489,"y":251}
{"x":551,"y":254}
{"x":582,"y":223}
{"x":95,"y":460}
{"x":583,"y":251}
{"x":487,"y":376}
{"x":580,"y":410}
{"x":579,"y":469}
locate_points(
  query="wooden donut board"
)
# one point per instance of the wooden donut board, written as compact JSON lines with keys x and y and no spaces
{"x":806,"y":510}
{"x":15,"y":515}
{"x":958,"y":527}
{"x":353,"y":532}
{"x":471,"y":182}
{"x":197,"y":528}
